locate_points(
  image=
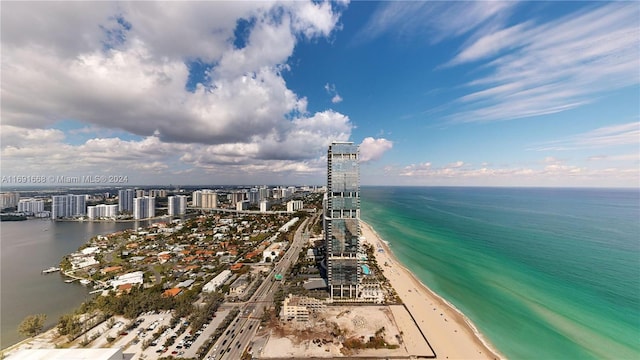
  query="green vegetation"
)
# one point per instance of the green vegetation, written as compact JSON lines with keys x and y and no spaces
{"x":140,"y":300}
{"x":204,"y":349}
{"x":32,"y":325}
{"x":69,"y":324}
{"x":65,"y":264}
{"x":375,"y":342}
{"x":204,"y":314}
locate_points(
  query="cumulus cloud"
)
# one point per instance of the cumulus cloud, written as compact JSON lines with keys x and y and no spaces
{"x":547,"y":172}
{"x":125,"y":66}
{"x":372,"y":149}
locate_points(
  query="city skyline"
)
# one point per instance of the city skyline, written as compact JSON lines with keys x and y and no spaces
{"x":434,"y":93}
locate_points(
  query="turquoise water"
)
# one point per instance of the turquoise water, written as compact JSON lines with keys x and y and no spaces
{"x":365,"y":270}
{"x":543,"y":273}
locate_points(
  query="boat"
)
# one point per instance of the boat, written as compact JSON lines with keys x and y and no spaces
{"x":68,"y":281}
{"x":50,"y":270}
{"x":85,"y":281}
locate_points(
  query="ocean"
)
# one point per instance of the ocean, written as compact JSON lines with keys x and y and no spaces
{"x":28,"y":247}
{"x":542,"y":273}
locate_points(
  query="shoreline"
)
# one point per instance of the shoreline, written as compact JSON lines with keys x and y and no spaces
{"x":446,"y":344}
{"x":110,"y":221}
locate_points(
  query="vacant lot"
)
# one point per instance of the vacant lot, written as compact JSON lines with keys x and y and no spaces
{"x":325,"y":334}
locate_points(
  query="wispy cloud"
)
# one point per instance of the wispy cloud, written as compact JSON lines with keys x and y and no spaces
{"x":614,"y":135}
{"x":543,"y":68}
{"x":635,"y":157}
{"x":331,"y":90}
{"x":437,"y":19}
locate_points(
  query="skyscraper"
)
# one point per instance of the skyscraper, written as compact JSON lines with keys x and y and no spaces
{"x":125,"y":200}
{"x":144,"y":207}
{"x":177,"y":205}
{"x":204,"y":199}
{"x":342,"y":219}
{"x":68,"y":206}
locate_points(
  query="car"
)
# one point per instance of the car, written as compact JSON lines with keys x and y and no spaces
{"x":124,"y":333}
{"x":174,"y":352}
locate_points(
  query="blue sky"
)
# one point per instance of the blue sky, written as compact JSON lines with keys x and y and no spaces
{"x":437,"y":93}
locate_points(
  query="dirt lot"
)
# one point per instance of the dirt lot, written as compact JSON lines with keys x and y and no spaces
{"x":324,"y":335}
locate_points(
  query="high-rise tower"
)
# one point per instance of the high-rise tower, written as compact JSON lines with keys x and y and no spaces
{"x":125,"y":200}
{"x":342,"y":219}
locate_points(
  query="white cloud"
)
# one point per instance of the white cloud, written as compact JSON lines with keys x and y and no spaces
{"x":544,"y":68}
{"x":434,"y":19}
{"x":372,"y":149}
{"x":608,"y":136}
{"x":493,"y":43}
{"x":456,"y":165}
{"x":634,"y":157}
{"x":124,"y":66}
{"x":548,"y":172}
{"x":331,"y":90}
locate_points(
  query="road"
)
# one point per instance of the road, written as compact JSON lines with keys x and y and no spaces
{"x":241,"y":332}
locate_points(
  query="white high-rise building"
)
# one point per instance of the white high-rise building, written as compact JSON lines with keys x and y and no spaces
{"x":242,"y":205}
{"x":294,"y":205}
{"x":265,"y":206}
{"x":158,"y":193}
{"x":265,"y":193}
{"x":177,"y":205}
{"x":9,"y":199}
{"x":236,"y":196}
{"x":196,"y":198}
{"x":254,"y":196}
{"x":144,"y":207}
{"x":125,"y":200}
{"x":102,"y":211}
{"x":209,"y":200}
{"x":68,"y":206}
{"x":31,"y":205}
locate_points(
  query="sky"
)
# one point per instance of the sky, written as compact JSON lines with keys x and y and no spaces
{"x":482,"y":93}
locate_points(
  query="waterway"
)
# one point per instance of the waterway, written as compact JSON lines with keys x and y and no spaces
{"x":28,"y":247}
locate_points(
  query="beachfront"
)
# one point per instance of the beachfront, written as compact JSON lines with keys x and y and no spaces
{"x":451,"y":335}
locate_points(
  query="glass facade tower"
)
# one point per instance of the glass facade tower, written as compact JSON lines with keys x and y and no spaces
{"x":342,"y":219}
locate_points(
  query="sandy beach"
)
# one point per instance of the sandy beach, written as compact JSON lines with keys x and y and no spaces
{"x":450,"y":333}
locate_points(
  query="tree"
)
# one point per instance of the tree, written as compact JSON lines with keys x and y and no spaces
{"x":32,"y":325}
{"x":69,"y":324}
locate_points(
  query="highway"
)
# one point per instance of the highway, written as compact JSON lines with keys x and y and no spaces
{"x":240,"y":334}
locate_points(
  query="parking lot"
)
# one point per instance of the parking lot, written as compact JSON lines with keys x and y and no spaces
{"x":131,"y":334}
